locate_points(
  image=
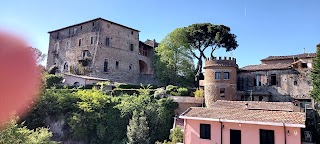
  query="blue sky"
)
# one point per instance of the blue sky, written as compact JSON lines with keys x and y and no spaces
{"x":263,"y":27}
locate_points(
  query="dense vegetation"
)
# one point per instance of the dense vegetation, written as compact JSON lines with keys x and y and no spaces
{"x":14,"y":133}
{"x":315,"y":76}
{"x":315,"y":92}
{"x":92,"y":116}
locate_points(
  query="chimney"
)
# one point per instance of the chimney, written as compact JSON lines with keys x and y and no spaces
{"x":154,"y":43}
{"x":246,"y":106}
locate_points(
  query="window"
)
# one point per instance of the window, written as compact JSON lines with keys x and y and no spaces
{"x":145,"y":51}
{"x":130,"y":66}
{"x":131,"y":47}
{"x":81,"y":27}
{"x":260,"y":98}
{"x":105,"y":65}
{"x":257,"y":80}
{"x":107,"y":41}
{"x":117,"y":64}
{"x":295,"y":82}
{"x":93,"y":24}
{"x":74,"y":30}
{"x":273,"y":79}
{"x":131,"y":32}
{"x":91,"y":39}
{"x":57,"y":35}
{"x":56,"y":47}
{"x":304,"y":65}
{"x":205,"y":131}
{"x":222,"y":90}
{"x":65,"y":67}
{"x":217,"y":75}
{"x":85,"y":53}
{"x":69,"y":31}
{"x":79,"y":42}
{"x":266,"y":136}
{"x":226,"y":75}
{"x":67,"y":44}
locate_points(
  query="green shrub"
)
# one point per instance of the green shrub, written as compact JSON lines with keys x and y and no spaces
{"x":53,"y":69}
{"x":18,"y":134}
{"x":160,"y":93}
{"x":183,"y":91}
{"x":171,"y":88}
{"x":173,"y":93}
{"x":53,"y":80}
{"x":176,"y":135}
{"x":199,"y":93}
{"x":129,"y":86}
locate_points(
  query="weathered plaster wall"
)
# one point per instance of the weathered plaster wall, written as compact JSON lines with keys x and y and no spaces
{"x":291,"y":83}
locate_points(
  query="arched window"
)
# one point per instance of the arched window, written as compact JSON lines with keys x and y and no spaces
{"x":79,"y":42}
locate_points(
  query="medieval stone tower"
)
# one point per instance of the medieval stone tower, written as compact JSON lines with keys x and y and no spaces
{"x":220,"y":81}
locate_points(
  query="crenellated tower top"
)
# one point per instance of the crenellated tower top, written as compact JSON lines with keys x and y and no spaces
{"x":219,"y":61}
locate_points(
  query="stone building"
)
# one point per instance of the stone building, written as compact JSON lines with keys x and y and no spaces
{"x":103,"y":49}
{"x":276,"y":79}
{"x":220,"y":81}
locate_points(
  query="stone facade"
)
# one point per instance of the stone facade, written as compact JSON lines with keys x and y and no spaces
{"x":103,"y":49}
{"x":220,"y":81}
{"x":277,"y":78}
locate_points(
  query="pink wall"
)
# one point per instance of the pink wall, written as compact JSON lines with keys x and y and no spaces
{"x":249,"y":133}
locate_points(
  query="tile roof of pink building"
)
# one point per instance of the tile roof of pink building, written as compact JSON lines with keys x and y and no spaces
{"x":264,"y":113}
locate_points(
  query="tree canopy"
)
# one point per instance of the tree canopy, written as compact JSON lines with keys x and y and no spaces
{"x":175,"y":53}
{"x":38,"y":55}
{"x":203,"y":35}
{"x":173,"y":62}
{"x":315,"y":76}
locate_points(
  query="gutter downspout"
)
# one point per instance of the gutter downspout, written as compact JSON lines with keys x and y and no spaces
{"x":285,"y":134}
{"x":220,"y":131}
{"x":184,"y":130}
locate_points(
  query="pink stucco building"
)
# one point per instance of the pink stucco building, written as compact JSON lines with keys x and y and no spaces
{"x":243,"y":122}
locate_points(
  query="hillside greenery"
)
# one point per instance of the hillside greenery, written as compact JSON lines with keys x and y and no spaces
{"x":92,"y":116}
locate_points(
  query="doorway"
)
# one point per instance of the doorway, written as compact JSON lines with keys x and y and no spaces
{"x":235,"y":136}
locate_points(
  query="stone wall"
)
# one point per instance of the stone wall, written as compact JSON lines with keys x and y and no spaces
{"x":291,"y":84}
{"x":220,"y":89}
{"x":99,"y":40}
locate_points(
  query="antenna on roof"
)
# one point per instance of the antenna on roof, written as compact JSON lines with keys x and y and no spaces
{"x":245,"y":8}
{"x":231,"y":54}
{"x":304,"y":50}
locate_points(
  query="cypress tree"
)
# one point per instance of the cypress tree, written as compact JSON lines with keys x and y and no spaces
{"x":138,"y":130}
{"x":315,"y":76}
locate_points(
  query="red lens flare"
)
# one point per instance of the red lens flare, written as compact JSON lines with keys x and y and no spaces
{"x":19,"y":76}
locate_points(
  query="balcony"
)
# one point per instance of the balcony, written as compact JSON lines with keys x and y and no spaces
{"x":84,"y":60}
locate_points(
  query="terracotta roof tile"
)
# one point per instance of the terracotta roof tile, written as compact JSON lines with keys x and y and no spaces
{"x":151,"y":43}
{"x":186,"y":99}
{"x":256,"y":105}
{"x":304,"y":55}
{"x":247,"y":115}
{"x":277,"y":66}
